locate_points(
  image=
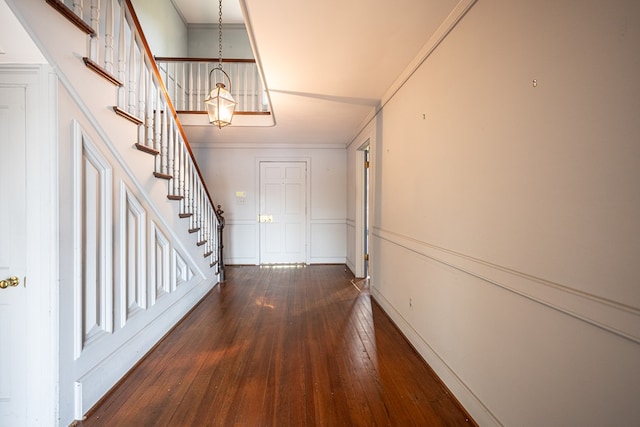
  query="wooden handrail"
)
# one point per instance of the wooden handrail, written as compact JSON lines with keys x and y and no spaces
{"x":180,"y":59}
{"x":236,"y":113}
{"x":64,"y":10}
{"x":156,"y":71}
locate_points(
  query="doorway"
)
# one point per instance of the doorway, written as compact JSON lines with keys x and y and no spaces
{"x":28,"y":243}
{"x":365,"y":210}
{"x":13,"y":256}
{"x":283,"y":212}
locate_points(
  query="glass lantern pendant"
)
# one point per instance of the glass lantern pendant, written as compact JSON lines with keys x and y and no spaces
{"x":220,"y":104}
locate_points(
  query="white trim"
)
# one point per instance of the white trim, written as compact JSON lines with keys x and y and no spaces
{"x":82,"y":143}
{"x":434,"y":41}
{"x":42,"y":268}
{"x":307,"y":161}
{"x":263,"y":145}
{"x":612,"y":316}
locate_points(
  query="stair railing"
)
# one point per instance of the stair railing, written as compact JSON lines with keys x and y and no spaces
{"x":187,"y":83}
{"x":119,"y":52}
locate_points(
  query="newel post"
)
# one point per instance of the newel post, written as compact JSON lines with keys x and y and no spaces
{"x":220,"y":244}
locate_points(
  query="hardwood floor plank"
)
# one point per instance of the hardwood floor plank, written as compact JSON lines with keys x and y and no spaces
{"x":277,"y":346}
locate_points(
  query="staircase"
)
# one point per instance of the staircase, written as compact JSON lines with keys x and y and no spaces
{"x":140,"y":236}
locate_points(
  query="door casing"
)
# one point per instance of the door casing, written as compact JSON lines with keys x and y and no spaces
{"x":307,"y":230}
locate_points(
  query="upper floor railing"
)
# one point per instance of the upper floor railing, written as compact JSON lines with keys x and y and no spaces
{"x":187,"y":82}
{"x":119,"y":52}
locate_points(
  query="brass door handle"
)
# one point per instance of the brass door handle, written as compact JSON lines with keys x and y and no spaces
{"x":12,"y":281}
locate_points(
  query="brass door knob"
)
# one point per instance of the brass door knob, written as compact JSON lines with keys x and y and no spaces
{"x":12,"y":281}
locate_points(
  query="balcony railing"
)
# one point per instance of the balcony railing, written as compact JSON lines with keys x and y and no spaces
{"x":187,"y":82}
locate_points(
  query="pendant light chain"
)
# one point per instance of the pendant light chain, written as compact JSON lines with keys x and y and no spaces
{"x":220,"y":104}
{"x":220,"y":34}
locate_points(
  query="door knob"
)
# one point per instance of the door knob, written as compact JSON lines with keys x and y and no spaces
{"x":265,"y":218}
{"x":12,"y":281}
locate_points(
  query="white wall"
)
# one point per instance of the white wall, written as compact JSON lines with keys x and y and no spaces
{"x":203,"y":41}
{"x":16,"y":46}
{"x":163,"y":27}
{"x":228,"y":170}
{"x":506,"y":233}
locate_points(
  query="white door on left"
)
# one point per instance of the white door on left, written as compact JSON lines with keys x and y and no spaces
{"x":13,"y":372}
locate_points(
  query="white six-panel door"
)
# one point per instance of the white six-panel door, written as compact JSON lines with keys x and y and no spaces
{"x":13,"y":370}
{"x":283,"y":205}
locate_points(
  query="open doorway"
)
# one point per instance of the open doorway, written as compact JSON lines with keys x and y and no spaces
{"x":365,"y":210}
{"x":362,"y":178}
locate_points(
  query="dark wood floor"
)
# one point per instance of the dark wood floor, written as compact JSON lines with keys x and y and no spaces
{"x":282,"y":347}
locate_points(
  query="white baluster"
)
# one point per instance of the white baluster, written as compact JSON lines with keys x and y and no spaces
{"x":164,"y":141}
{"x":183,"y":169}
{"x":194,"y":195}
{"x":95,"y":25}
{"x":134,"y":78}
{"x":198,"y":86}
{"x":108,"y":38}
{"x":175,"y":84}
{"x":142,"y":107}
{"x":183,"y":104}
{"x":190,"y":86}
{"x":238,"y":79}
{"x":176,"y":161}
{"x":187,"y":184}
{"x":245,"y":86}
{"x":77,"y":8}
{"x":157,"y":118}
{"x":148,"y":116}
{"x":170,"y":151}
{"x":122,"y":64}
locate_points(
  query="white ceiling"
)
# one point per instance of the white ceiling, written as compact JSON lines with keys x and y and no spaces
{"x":206,"y":11}
{"x":326,"y":64}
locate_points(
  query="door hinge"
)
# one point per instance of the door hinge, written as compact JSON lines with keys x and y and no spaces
{"x":366,"y":257}
{"x":366,"y":164}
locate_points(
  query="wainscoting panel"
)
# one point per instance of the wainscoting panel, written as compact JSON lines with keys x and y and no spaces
{"x":241,"y":242}
{"x":160,"y":264}
{"x":93,"y":267}
{"x":500,"y":339}
{"x":351,"y":245}
{"x":136,"y":270}
{"x":328,"y":242}
{"x":615,"y":317}
{"x":182,"y":272}
{"x":132,"y":255}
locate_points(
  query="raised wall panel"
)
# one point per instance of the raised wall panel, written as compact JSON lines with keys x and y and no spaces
{"x":181,"y":271}
{"x":93,"y":222}
{"x":133,"y":255}
{"x":6,"y":335}
{"x":328,"y":241}
{"x":160,"y":264}
{"x":240,"y":242}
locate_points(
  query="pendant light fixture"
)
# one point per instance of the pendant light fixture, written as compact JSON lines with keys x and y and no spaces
{"x":220,"y":104}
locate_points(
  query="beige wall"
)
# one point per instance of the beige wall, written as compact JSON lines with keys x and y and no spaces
{"x":506,"y":233}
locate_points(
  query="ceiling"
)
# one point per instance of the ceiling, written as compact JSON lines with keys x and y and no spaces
{"x":206,"y":11}
{"x":327,"y":64}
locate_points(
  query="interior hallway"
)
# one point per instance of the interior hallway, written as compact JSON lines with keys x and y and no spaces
{"x":276,"y":346}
